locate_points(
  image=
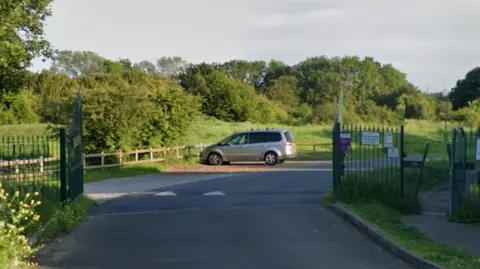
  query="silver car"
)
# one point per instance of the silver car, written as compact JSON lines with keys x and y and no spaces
{"x":271,"y":146}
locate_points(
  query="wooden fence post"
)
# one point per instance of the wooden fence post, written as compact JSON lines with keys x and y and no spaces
{"x":120,"y":156}
{"x":41,"y":164}
{"x":178,"y":152}
{"x":136,"y":155}
{"x":17,"y":171}
{"x":102,"y":160}
{"x":84,"y":160}
{"x":151,"y":154}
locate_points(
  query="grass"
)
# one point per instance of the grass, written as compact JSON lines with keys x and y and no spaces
{"x":383,"y":185}
{"x":389,"y":222}
{"x":374,"y":196}
{"x":25,"y":130}
{"x":417,"y":134}
{"x":127,"y":171}
{"x":131,"y":170}
{"x":66,"y":218}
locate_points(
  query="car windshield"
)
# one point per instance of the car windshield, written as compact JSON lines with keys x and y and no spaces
{"x":225,"y":141}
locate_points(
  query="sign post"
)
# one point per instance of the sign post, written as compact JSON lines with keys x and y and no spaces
{"x":478,"y":150}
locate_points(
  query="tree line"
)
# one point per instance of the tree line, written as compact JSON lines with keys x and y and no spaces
{"x":133,"y":105}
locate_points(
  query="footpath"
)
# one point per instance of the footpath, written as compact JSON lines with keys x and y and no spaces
{"x":433,"y":222}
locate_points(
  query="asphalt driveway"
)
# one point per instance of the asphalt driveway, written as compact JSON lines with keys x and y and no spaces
{"x":272,"y":219}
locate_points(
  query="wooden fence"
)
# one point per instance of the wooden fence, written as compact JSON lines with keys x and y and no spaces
{"x":105,"y":160}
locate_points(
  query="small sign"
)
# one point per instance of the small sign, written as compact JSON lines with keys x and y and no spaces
{"x":345,"y":142}
{"x":478,"y":150}
{"x":371,"y":138}
{"x":388,"y":140}
{"x":392,"y":152}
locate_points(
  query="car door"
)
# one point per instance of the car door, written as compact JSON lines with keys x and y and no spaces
{"x":235,"y":151}
{"x":256,"y":146}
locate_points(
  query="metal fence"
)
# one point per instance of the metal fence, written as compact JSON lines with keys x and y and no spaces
{"x":367,"y":160}
{"x":31,"y":164}
{"x":50,"y":165}
{"x":464,"y":161}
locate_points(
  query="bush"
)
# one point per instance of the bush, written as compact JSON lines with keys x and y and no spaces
{"x":123,"y":116}
{"x":370,"y":112}
{"x":18,"y":215}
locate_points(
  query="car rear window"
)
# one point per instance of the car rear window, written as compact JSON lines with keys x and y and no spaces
{"x":289,"y":137}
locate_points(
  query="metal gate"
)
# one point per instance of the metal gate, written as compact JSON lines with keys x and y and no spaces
{"x":463,"y":159}
{"x":72,"y":146}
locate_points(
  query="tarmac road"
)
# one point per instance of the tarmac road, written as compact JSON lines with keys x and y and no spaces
{"x":272,"y":219}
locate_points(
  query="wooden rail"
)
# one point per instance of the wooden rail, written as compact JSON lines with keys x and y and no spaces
{"x":11,"y":169}
{"x":178,"y":153}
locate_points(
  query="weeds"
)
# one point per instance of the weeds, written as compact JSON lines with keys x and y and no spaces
{"x":18,"y":214}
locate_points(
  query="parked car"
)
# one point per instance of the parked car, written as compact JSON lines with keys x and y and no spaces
{"x":271,"y":146}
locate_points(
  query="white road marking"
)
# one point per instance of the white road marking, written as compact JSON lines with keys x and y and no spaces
{"x":165,"y":193}
{"x":214,"y":193}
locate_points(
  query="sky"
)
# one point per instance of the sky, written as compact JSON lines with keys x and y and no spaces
{"x":435,"y":42}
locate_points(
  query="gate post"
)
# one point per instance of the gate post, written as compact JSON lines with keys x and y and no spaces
{"x":336,"y":156}
{"x":63,"y":165}
{"x":402,"y":154}
{"x":452,"y":172}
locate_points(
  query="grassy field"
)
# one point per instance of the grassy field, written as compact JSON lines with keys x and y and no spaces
{"x":417,"y":134}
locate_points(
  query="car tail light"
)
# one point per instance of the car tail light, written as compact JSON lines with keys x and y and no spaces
{"x":289,"y":144}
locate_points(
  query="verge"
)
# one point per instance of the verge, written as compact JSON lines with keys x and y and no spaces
{"x":382,"y":240}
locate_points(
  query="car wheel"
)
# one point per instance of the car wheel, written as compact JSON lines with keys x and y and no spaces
{"x":271,"y":158}
{"x":214,"y":159}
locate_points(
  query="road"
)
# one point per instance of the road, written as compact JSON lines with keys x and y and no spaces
{"x":272,"y":219}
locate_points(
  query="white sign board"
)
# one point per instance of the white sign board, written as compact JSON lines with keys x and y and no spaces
{"x":478,"y":150}
{"x":388,"y":140}
{"x":392,"y":152}
{"x":371,"y":138}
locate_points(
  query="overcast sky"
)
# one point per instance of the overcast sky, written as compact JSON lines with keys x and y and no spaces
{"x":434,"y":41}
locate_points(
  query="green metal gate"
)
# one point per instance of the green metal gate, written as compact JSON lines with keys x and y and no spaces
{"x":72,"y":146}
{"x":463,"y":160}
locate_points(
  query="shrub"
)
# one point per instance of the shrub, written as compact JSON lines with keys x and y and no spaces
{"x":18,"y":215}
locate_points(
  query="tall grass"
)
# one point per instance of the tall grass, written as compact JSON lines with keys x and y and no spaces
{"x":376,"y":186}
{"x":210,"y":130}
{"x":24,"y":130}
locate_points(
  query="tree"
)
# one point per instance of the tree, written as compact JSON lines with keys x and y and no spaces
{"x":285,"y":91}
{"x":249,"y":72}
{"x":78,"y":63}
{"x":21,"y":39}
{"x":273,"y":71}
{"x":146,"y":67}
{"x":466,"y":89}
{"x":171,"y":66}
